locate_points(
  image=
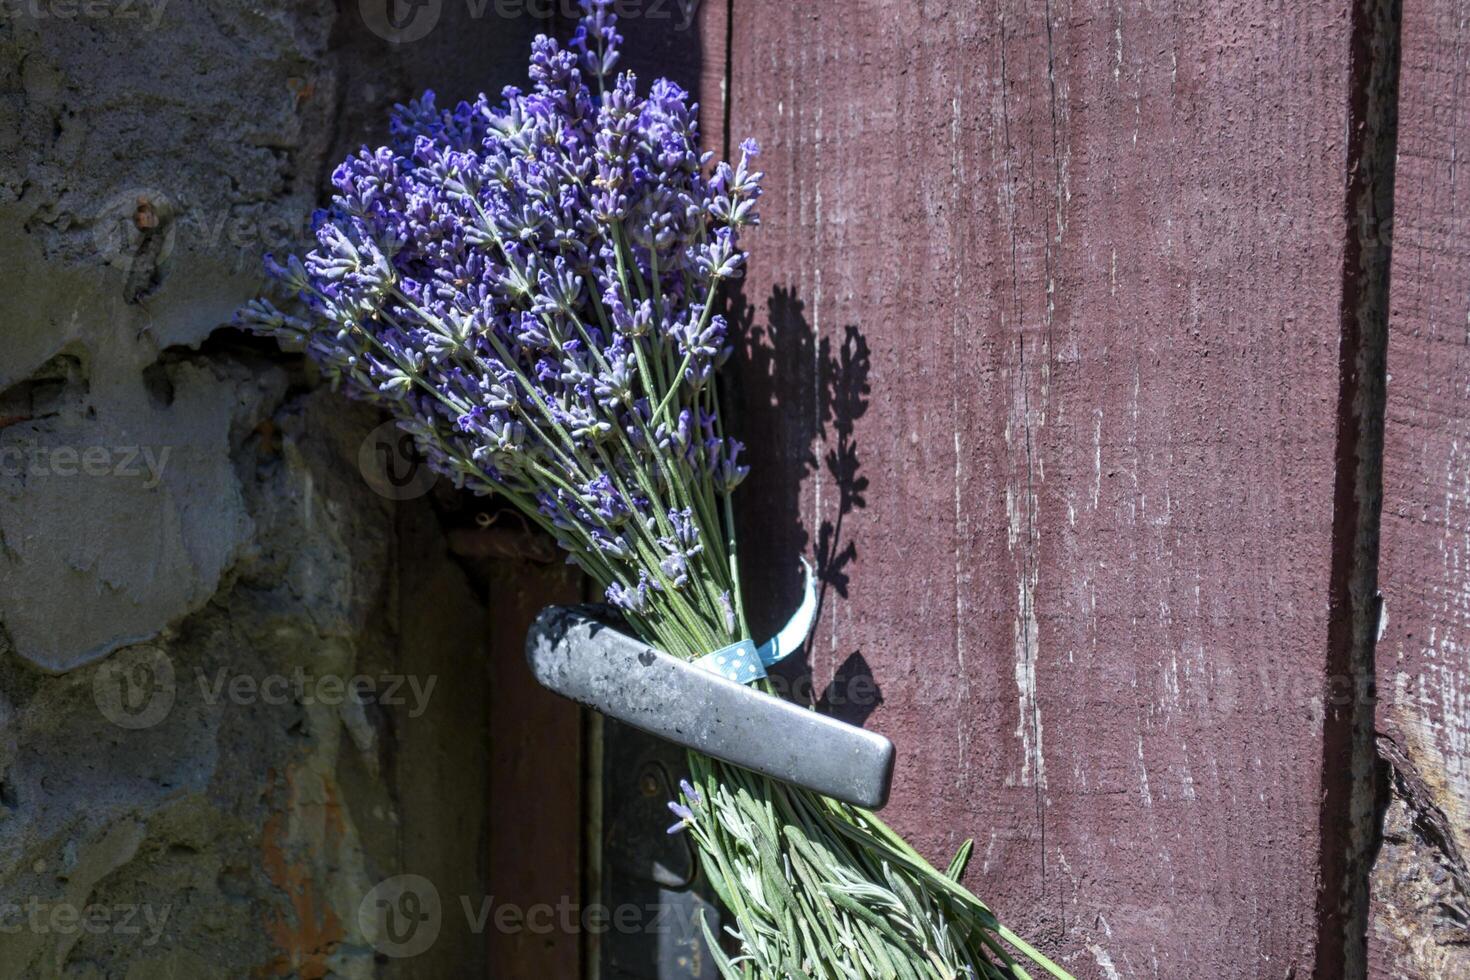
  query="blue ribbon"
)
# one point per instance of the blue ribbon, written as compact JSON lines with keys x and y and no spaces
{"x":745,"y":663}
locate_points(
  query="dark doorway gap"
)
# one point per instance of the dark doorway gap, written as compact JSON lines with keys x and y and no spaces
{"x":1351,"y":814}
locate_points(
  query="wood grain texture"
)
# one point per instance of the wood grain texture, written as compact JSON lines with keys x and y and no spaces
{"x":1421,"y":884}
{"x":1045,"y":320}
{"x":535,"y":836}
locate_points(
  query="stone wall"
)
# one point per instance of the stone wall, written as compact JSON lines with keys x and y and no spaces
{"x":192,"y":565}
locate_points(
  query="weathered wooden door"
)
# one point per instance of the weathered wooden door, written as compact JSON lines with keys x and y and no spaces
{"x":1063,"y":360}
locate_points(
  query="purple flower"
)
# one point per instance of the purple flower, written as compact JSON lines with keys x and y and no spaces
{"x":685,"y":815}
{"x":683,"y":812}
{"x":634,"y":599}
{"x":526,"y":283}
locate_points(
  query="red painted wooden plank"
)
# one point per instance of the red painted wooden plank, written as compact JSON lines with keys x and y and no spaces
{"x":1421,"y":884}
{"x":1093,"y":260}
{"x":535,"y":839}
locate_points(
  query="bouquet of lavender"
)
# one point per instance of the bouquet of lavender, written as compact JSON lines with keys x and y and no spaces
{"x":530,"y":288}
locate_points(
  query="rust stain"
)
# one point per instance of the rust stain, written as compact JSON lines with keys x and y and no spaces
{"x":270,"y":438}
{"x":302,"y":89}
{"x":298,"y":839}
{"x":145,"y":215}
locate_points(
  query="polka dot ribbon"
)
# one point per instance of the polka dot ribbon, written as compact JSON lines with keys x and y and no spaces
{"x":745,"y":663}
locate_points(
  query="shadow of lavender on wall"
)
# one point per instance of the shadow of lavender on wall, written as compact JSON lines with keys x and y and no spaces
{"x":794,"y":395}
{"x":845,"y":399}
